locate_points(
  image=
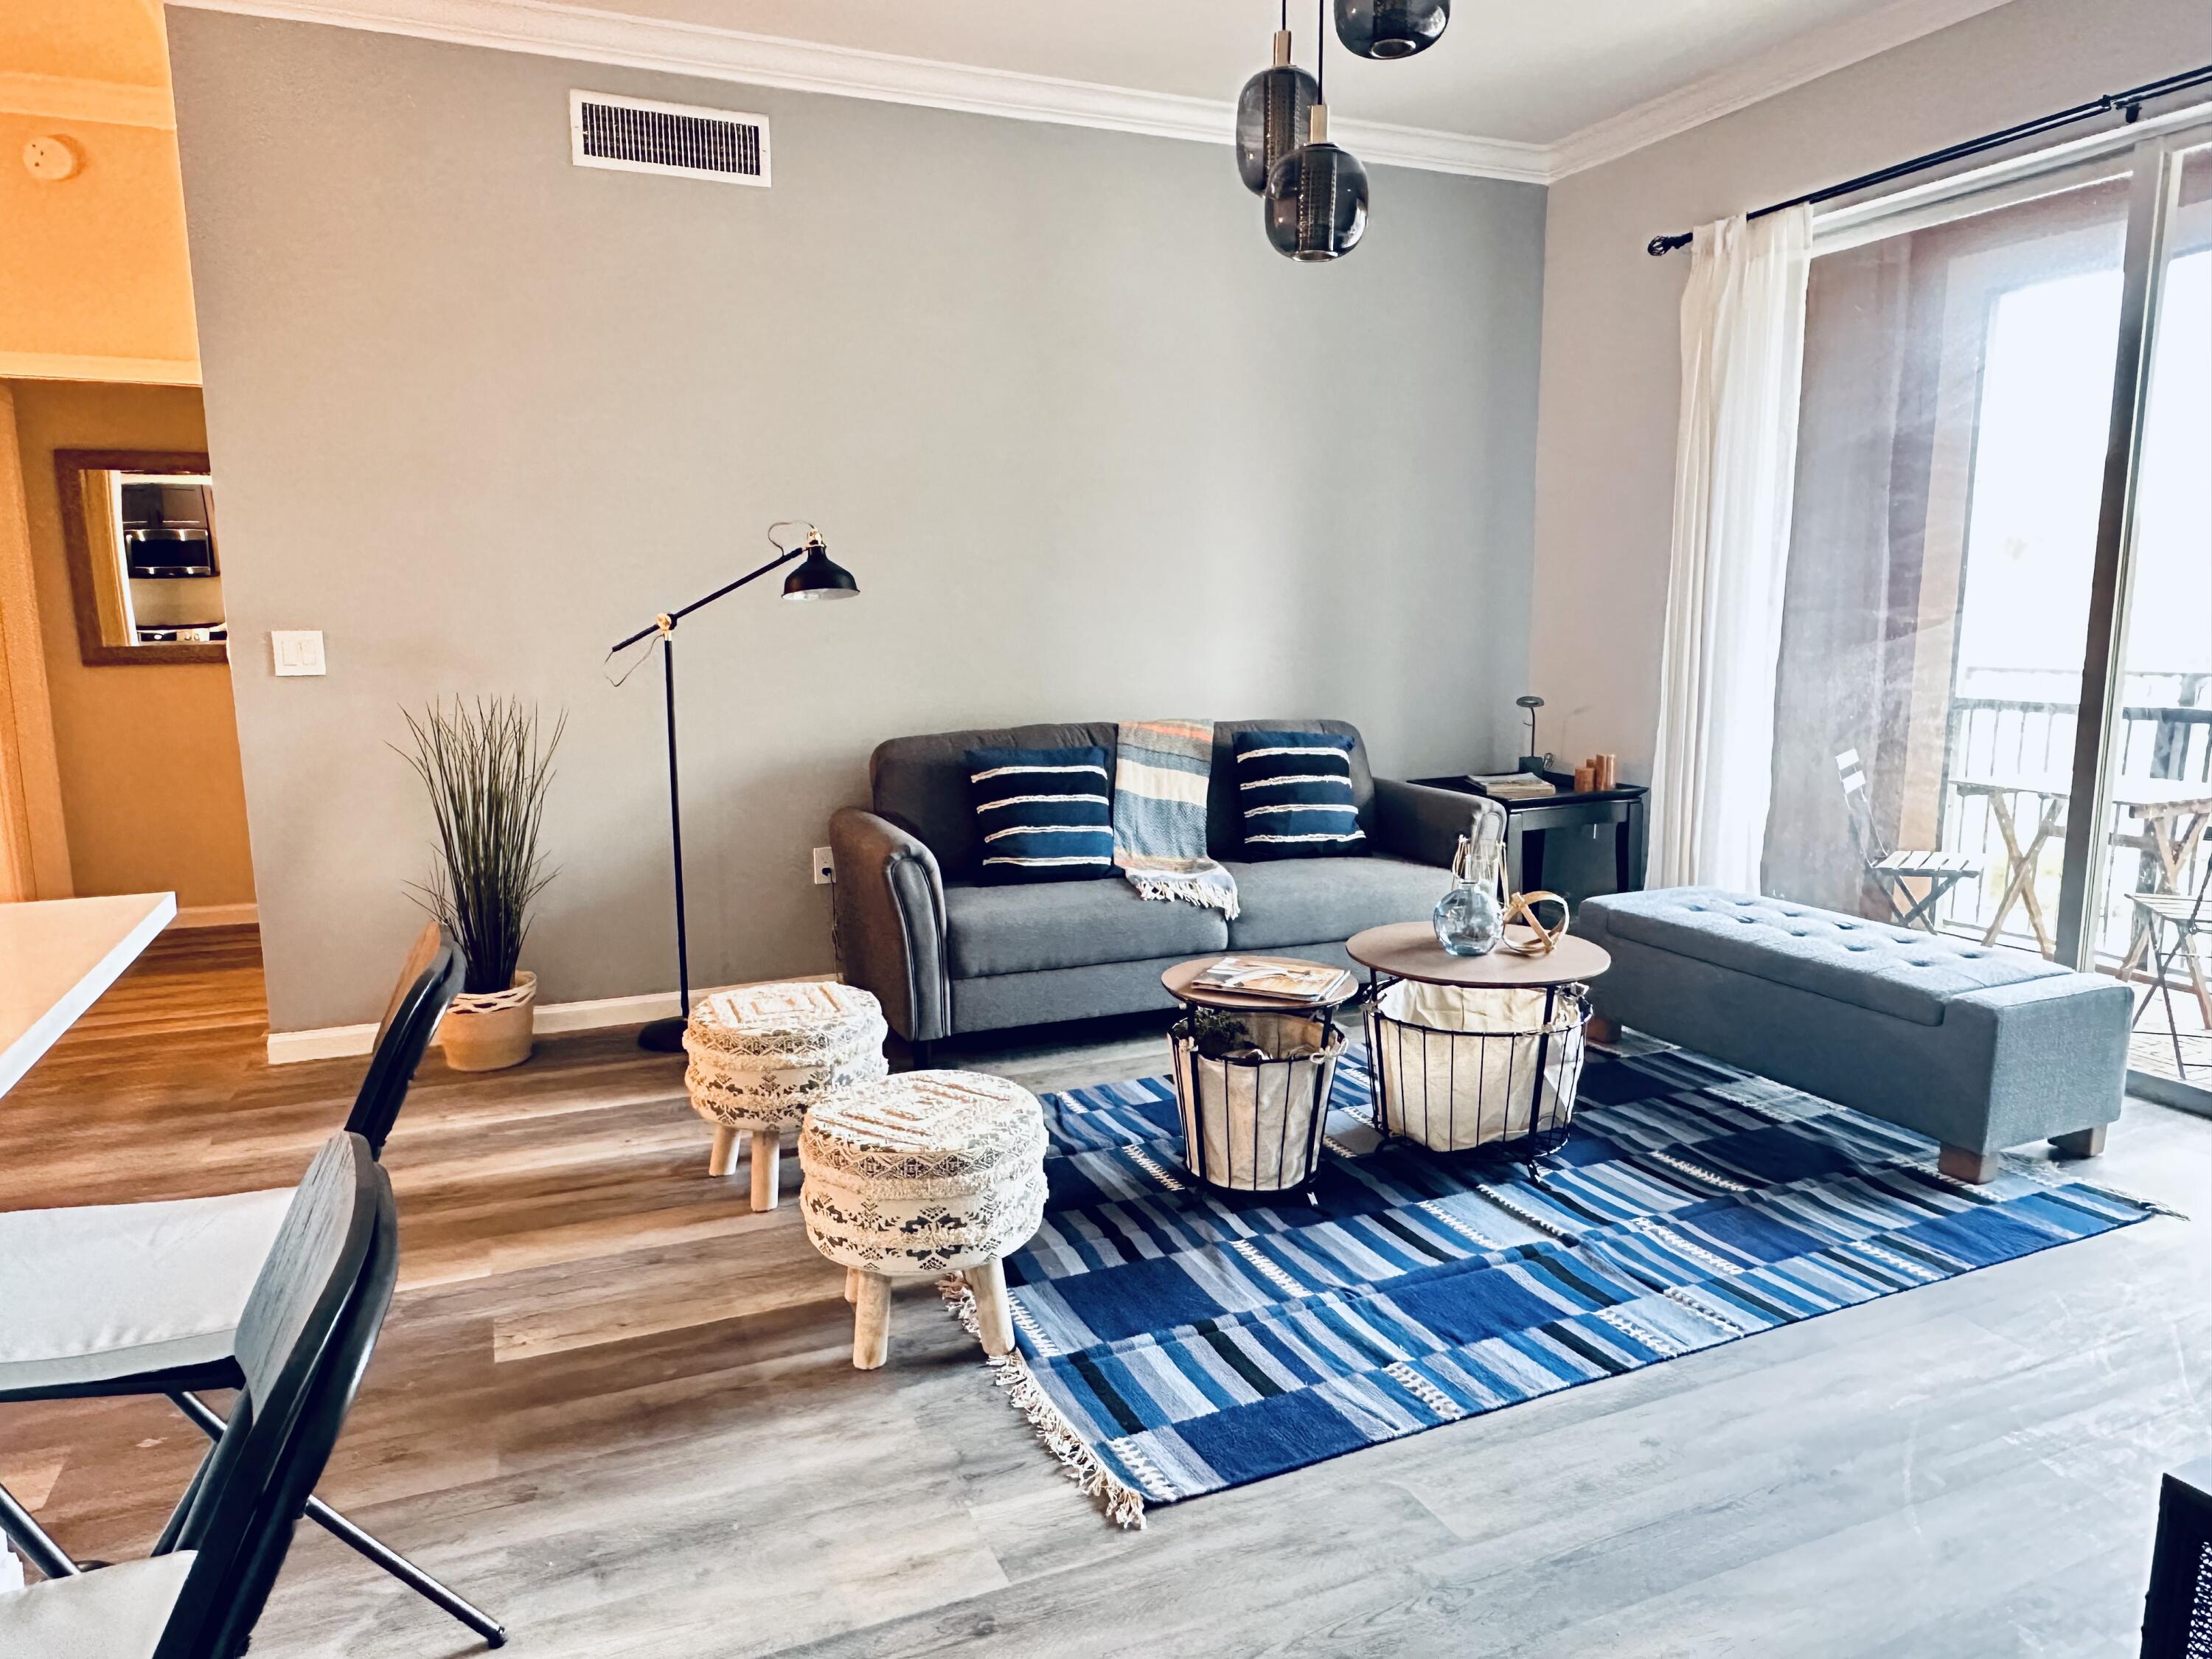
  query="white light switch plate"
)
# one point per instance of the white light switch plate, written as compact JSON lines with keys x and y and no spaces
{"x":296,"y":650}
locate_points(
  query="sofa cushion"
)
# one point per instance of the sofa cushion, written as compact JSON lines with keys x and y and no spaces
{"x":1294,"y":795}
{"x":1042,"y":813}
{"x":1023,"y":929}
{"x":1285,"y":901}
{"x":1876,"y":965}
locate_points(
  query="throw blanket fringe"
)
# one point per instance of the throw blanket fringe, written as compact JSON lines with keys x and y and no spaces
{"x":1161,"y":770}
{"x":1124,"y":1504}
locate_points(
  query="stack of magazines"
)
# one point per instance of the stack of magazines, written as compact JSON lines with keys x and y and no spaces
{"x":1275,"y":980}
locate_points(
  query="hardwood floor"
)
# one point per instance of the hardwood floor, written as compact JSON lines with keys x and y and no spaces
{"x":617,"y":1409}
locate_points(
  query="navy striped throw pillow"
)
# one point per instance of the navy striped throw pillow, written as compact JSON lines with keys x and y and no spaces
{"x":1044,"y":814}
{"x":1294,"y":795}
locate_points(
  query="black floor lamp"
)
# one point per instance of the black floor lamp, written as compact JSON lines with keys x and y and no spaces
{"x":817,"y":578}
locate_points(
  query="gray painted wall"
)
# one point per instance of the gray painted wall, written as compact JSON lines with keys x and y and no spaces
{"x":1092,"y":448}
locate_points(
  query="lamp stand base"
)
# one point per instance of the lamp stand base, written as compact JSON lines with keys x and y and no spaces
{"x":663,"y":1037}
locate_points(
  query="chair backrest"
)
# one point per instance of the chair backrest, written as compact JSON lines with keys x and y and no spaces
{"x":1872,"y":847}
{"x":303,"y":1341}
{"x":429,"y":979}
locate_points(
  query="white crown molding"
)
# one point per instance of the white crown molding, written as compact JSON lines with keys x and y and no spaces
{"x":1807,"y":57}
{"x":64,"y":98}
{"x":549,"y":30}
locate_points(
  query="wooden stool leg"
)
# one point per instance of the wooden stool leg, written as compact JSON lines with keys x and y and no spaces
{"x":994,"y":1317}
{"x":851,"y":1284}
{"x":767,"y":1152}
{"x":872,"y":1321}
{"x":725,"y":1152}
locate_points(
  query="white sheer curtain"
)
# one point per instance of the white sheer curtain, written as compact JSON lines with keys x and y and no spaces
{"x":1743,"y":337}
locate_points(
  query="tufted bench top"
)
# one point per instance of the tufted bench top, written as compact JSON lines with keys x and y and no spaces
{"x":1906,"y":973}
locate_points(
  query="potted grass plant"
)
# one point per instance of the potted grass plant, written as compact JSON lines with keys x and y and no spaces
{"x":486,"y":766}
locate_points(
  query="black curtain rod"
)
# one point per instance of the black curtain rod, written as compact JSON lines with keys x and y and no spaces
{"x":2130,"y":102}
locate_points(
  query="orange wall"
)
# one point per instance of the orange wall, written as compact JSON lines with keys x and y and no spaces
{"x":149,"y":754}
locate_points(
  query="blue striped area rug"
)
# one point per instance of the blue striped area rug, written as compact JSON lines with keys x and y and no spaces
{"x":1173,"y":1343}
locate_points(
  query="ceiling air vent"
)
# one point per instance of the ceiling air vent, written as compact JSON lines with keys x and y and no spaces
{"x":635,"y":135}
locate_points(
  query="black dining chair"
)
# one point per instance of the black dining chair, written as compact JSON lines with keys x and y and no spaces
{"x":304,"y":1340}
{"x":103,"y":1300}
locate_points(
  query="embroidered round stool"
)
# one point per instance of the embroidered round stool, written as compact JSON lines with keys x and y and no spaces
{"x":762,"y":1055}
{"x":922,"y":1174}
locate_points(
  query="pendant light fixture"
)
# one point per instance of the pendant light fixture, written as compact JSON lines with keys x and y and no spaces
{"x":1391,"y":28}
{"x":1272,"y":111}
{"x":1316,"y":205}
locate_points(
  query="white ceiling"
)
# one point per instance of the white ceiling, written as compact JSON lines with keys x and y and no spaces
{"x":1530,"y":73}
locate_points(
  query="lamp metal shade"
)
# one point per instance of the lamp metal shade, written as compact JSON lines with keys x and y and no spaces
{"x":1391,"y":28}
{"x":1316,"y":205}
{"x":819,"y":577}
{"x":1270,"y":115}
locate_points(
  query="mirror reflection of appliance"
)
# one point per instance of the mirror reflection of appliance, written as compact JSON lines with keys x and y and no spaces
{"x":169,"y":556}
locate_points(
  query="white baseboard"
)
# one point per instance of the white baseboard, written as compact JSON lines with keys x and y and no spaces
{"x":338,"y":1041}
{"x":218,"y":915}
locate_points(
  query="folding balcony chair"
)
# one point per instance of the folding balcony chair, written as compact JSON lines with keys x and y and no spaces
{"x":1894,"y":871}
{"x":2184,"y":914}
{"x":173,"y":1280}
{"x":303,"y":1341}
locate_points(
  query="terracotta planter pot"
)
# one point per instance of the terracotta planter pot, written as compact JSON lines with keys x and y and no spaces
{"x":489,"y":1031}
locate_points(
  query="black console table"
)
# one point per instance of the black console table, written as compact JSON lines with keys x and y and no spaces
{"x":1527,"y":822}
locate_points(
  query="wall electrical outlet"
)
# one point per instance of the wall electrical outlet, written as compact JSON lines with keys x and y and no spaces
{"x":825,"y":868}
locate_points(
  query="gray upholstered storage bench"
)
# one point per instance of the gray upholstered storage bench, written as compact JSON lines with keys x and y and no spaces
{"x":1978,"y":1048}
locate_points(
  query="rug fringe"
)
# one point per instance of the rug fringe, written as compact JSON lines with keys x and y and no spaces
{"x":2041,"y":1171}
{"x":1123,"y":1504}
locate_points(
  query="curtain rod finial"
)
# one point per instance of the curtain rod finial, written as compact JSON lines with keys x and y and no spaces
{"x":1662,"y":245}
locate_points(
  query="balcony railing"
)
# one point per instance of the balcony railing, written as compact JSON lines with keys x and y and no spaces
{"x":2166,"y":731}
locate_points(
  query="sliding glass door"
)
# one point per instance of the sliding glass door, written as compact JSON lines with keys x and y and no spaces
{"x":2144,"y":865}
{"x":1994,"y":696}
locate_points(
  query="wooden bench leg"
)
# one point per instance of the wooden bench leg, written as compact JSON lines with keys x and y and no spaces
{"x":2082,"y":1143}
{"x":994,"y":1317}
{"x":767,"y":1159}
{"x":851,"y":1284}
{"x":872,"y":1321}
{"x":725,"y":1152}
{"x":1962,"y":1164}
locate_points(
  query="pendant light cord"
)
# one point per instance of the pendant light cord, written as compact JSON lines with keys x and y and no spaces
{"x":1321,"y":52}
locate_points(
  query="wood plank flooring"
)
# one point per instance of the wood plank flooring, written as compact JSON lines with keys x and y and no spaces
{"x":616,"y":1407}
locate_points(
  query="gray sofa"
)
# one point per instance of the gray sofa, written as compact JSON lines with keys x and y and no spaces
{"x":1977,"y":1048}
{"x":947,"y":954}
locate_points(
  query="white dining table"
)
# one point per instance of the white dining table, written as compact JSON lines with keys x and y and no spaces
{"x":57,"y":955}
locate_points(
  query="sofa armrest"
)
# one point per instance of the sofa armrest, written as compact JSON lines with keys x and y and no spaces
{"x":1413,"y":821}
{"x":889,"y":903}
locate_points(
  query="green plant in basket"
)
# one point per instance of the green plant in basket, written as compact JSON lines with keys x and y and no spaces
{"x":486,"y":766}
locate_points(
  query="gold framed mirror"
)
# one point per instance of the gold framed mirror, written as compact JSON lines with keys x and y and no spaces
{"x":145,"y":576}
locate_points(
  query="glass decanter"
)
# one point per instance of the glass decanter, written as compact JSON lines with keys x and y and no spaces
{"x":1469,"y":919}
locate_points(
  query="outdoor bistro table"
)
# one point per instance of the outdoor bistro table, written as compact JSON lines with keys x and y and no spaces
{"x":1498,"y":1066}
{"x":2175,"y":812}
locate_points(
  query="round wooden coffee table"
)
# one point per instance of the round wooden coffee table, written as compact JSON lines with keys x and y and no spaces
{"x":1253,"y":1126}
{"x":1506,"y":1087}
